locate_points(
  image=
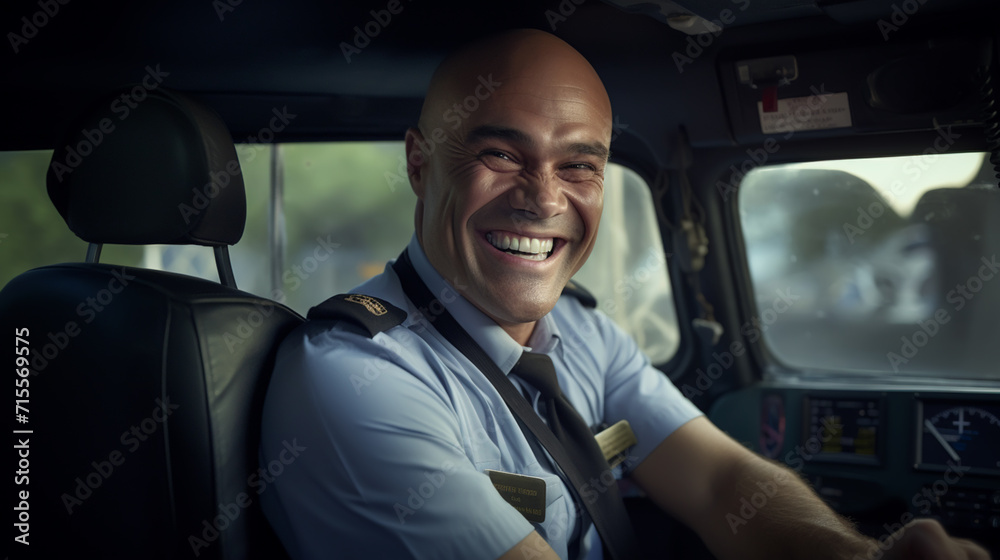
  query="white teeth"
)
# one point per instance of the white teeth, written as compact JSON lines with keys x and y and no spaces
{"x":530,"y":248}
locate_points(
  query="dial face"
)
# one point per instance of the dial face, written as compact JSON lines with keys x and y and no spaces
{"x":963,"y":435}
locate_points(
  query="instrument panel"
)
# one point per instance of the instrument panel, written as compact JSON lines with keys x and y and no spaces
{"x":881,"y":453}
{"x":962,"y":435}
{"x":846,"y":429}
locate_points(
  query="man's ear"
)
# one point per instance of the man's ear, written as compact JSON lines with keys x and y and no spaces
{"x":416,"y":168}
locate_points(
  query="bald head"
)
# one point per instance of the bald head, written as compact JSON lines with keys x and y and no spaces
{"x":508,"y":167}
{"x":524,"y":62}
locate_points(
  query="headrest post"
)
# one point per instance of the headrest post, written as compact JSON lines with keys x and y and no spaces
{"x":94,"y":252}
{"x":222,"y":261}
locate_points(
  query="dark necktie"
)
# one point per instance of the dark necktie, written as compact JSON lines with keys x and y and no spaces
{"x":583,"y":465}
{"x":572,"y":431}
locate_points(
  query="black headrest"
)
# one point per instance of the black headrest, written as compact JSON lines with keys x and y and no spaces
{"x":149,"y":167}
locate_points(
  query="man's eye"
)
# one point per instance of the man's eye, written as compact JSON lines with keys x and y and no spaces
{"x":495,"y":153}
{"x":498,"y":160}
{"x":580,"y":171}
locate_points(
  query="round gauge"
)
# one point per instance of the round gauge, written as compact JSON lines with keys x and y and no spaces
{"x":965,"y":435}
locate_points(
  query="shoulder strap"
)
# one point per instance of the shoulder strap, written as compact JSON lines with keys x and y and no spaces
{"x":612,"y":522}
{"x":372,"y":314}
{"x":580,"y":293}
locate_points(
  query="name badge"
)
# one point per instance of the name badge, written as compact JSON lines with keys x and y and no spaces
{"x":525,"y":493}
{"x":615,"y":440}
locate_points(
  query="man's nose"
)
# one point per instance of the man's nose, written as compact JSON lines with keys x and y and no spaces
{"x":540,"y":195}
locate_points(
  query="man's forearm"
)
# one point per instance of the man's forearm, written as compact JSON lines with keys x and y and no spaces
{"x":766,"y":510}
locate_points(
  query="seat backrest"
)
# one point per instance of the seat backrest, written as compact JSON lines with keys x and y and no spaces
{"x":965,"y":234}
{"x":144,"y":388}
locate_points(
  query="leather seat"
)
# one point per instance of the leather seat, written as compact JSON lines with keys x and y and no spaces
{"x":964,"y":235}
{"x":145,"y":387}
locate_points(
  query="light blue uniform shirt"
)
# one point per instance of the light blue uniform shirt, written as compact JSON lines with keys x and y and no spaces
{"x":398,"y":429}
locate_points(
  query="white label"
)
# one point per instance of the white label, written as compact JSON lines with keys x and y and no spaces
{"x":816,"y":112}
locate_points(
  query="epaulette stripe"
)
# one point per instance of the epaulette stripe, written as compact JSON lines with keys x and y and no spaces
{"x":370,"y":313}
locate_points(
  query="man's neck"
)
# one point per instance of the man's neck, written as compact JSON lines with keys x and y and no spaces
{"x":520,"y":332}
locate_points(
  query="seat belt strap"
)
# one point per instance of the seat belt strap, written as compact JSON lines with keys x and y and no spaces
{"x":614,"y":527}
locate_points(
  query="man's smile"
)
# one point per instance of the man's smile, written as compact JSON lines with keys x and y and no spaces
{"x":524,"y":247}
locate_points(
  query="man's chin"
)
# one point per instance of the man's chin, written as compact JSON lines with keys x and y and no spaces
{"x":515,"y":310}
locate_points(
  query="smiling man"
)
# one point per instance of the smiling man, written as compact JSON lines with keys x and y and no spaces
{"x":510,"y":203}
{"x":410,"y":447}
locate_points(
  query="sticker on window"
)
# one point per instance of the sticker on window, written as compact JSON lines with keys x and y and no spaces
{"x":816,"y":112}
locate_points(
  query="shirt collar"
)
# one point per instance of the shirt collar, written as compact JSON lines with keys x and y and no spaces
{"x":498,"y":345}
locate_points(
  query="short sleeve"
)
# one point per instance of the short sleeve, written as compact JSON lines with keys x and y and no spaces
{"x":381,"y":471}
{"x":638,"y":392}
{"x":624,"y":385}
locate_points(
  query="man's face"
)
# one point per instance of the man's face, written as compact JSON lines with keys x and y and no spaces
{"x":509,"y":204}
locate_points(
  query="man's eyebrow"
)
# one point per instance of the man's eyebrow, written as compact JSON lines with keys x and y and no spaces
{"x":595,"y":149}
{"x":488,"y":132}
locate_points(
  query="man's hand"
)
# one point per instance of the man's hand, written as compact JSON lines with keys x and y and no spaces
{"x":925,"y":539}
{"x":703,"y":478}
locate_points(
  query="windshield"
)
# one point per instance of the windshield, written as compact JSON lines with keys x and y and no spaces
{"x":880,"y":265}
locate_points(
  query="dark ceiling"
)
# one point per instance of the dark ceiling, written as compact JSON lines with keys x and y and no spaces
{"x":247,"y":58}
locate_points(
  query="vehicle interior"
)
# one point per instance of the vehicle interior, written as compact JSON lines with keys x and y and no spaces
{"x":801,"y":229}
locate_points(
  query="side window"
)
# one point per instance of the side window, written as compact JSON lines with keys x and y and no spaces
{"x":342,"y":211}
{"x":627,"y":271}
{"x":32,"y":233}
{"x":876,"y":266}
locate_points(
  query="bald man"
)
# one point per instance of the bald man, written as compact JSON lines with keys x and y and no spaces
{"x":396,"y":429}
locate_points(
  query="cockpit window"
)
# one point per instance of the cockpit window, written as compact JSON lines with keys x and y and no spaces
{"x":881,"y":265}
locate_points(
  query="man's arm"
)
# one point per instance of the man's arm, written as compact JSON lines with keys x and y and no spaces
{"x":701,"y":476}
{"x":533,"y":546}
